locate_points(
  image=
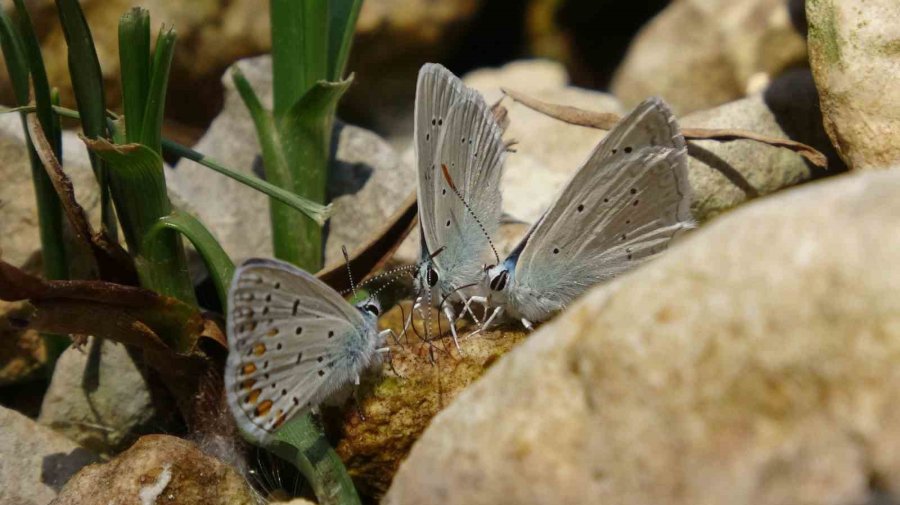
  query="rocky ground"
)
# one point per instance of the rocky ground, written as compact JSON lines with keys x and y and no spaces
{"x":753,"y":363}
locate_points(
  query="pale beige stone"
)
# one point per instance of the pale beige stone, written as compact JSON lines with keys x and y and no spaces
{"x":701,"y":53}
{"x":854,"y":48}
{"x":754,"y":363}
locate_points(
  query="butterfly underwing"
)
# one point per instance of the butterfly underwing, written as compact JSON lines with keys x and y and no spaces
{"x":455,"y":130}
{"x":293,"y":343}
{"x":623,"y":206}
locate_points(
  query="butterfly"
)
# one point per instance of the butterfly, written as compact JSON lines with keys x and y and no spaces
{"x":293,"y":343}
{"x":454,"y":128}
{"x":623,"y":206}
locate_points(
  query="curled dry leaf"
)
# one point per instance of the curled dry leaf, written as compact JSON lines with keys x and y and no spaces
{"x":375,"y":253}
{"x":126,"y":314}
{"x":606,"y":121}
{"x":112,"y":261}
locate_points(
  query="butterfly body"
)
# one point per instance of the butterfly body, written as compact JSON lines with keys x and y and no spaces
{"x":623,"y":206}
{"x":293,"y":343}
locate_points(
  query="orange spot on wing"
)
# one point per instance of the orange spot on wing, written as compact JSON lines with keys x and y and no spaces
{"x":247,"y":384}
{"x":272,"y":332}
{"x":249,"y":368}
{"x":263,"y":408}
{"x":253,"y":396}
{"x":279,"y":419}
{"x":259,"y":349}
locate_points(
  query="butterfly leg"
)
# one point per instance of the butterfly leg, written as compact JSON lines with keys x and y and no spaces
{"x":467,"y":308}
{"x":451,"y":317}
{"x":527,"y":324}
{"x":384,"y":334}
{"x":387,"y":350}
{"x":481,"y":300}
{"x":359,"y":412}
{"x":489,"y":320}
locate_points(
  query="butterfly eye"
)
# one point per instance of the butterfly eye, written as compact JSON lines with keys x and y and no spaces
{"x":499,"y":282}
{"x":372,"y":309}
{"x":432,"y":277}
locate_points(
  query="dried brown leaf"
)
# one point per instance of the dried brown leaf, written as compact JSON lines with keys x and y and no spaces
{"x":606,"y":121}
{"x":374,"y":254}
{"x":112,"y":261}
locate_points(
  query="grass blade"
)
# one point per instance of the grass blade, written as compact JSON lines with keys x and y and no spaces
{"x":341,"y":28}
{"x":51,"y":225}
{"x":134,"y":57}
{"x":151,"y":129}
{"x":316,"y":212}
{"x":87,"y":82}
{"x":299,"y":49}
{"x":219,"y":265}
{"x":139,"y":190}
{"x":305,"y":141}
{"x":303,"y":444}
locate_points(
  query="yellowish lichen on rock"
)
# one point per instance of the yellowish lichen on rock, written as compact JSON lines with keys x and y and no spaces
{"x":420,"y":379}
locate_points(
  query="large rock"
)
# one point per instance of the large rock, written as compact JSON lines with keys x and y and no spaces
{"x":368,"y":182}
{"x":755,"y":362}
{"x":19,"y":238}
{"x":35,"y":462}
{"x":158,"y":469}
{"x":99,"y":397}
{"x":701,"y":53}
{"x":726,"y":174}
{"x":855,"y":57}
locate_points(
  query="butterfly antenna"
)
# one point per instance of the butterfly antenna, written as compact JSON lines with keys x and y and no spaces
{"x":349,"y":270}
{"x":471,"y":212}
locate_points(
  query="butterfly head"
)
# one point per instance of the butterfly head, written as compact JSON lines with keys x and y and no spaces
{"x":497,"y":277}
{"x":426,"y":277}
{"x":369,"y":307}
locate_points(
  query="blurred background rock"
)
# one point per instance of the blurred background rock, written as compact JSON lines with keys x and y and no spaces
{"x":697,"y":54}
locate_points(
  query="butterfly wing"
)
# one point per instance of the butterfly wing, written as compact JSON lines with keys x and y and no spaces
{"x":471,"y":149}
{"x":437,"y":90}
{"x":625,"y":204}
{"x":293,"y":341}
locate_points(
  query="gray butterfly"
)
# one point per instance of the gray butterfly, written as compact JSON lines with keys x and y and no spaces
{"x":293,"y":342}
{"x":624,"y":205}
{"x":455,"y":131}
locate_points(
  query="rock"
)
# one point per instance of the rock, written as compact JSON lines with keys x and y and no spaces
{"x":35,"y":461}
{"x":22,"y":352}
{"x":158,"y":469}
{"x":701,"y":53}
{"x":369,"y":182}
{"x":19,"y":239}
{"x":399,"y":402}
{"x":855,"y":57}
{"x":725,"y":174}
{"x":99,"y":397}
{"x":755,"y":362}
